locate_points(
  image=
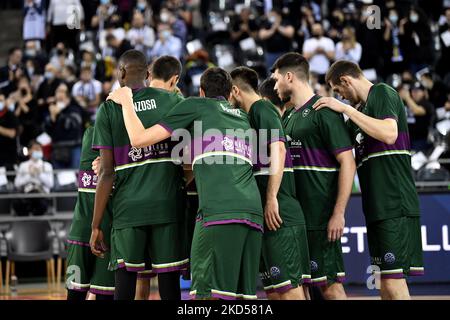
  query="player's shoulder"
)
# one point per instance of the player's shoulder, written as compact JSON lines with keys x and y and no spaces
{"x":381,"y":89}
{"x":263,"y":107}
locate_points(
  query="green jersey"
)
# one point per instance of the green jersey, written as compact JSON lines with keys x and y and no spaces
{"x":87,"y":182}
{"x":384,"y":171}
{"x":148,"y":186}
{"x":265,"y":119}
{"x":221,"y":157}
{"x":315,"y":138}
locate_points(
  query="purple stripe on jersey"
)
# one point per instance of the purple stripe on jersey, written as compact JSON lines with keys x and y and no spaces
{"x":222,"y":296}
{"x":101,"y":147}
{"x":281,"y":289}
{"x":128,"y":154}
{"x":319,"y":283}
{"x":87,"y":179}
{"x":306,"y":280}
{"x":231,"y":221}
{"x":78,"y":243}
{"x":398,"y":275}
{"x":171,"y":269}
{"x":165,"y":126}
{"x":79,"y":289}
{"x":130,"y":269}
{"x":313,"y":157}
{"x":402,"y":143}
{"x":340,"y":279}
{"x":102,"y":292}
{"x":220,"y":143}
{"x":340,"y":150}
{"x":416,"y":273}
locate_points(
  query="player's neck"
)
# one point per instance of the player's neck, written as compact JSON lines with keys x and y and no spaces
{"x":135,"y":84}
{"x":249,"y":100}
{"x":362,"y":88}
{"x":160,"y":84}
{"x":301,"y":95}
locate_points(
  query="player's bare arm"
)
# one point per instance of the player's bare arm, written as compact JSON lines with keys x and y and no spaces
{"x":104,"y":188}
{"x":271,"y":210}
{"x":139,"y":136}
{"x":384,"y":130}
{"x":346,"y":175}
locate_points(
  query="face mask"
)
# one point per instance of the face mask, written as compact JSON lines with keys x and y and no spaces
{"x":61,"y":105}
{"x":30,"y":71}
{"x":49,"y":75}
{"x":30,"y":52}
{"x":12,"y":107}
{"x":104,"y":1}
{"x":164,"y":17}
{"x":165,"y":34}
{"x":413,"y":17}
{"x":272,"y":19}
{"x":141,"y":6}
{"x":393,"y":18}
{"x":2,"y":106}
{"x":37,"y":155}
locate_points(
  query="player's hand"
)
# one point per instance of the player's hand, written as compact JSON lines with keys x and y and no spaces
{"x":332,"y":103}
{"x":272,"y":215}
{"x":336,"y":226}
{"x":96,"y":165}
{"x":121,"y":95}
{"x":97,"y":244}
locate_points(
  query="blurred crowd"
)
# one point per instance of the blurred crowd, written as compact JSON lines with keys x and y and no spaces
{"x":52,"y":84}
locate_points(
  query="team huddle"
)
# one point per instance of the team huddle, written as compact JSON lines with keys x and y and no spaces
{"x":220,"y":214}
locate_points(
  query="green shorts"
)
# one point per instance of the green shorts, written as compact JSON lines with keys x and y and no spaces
{"x":395,"y":247}
{"x":191,"y":216}
{"x":86,"y":272}
{"x":159,"y":248}
{"x":225,"y":261}
{"x":285,"y":260}
{"x":327,"y":263}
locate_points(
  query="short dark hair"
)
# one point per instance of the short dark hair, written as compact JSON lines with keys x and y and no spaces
{"x":342,"y":68}
{"x":245,"y":78}
{"x":216,"y":82}
{"x":136,"y":62}
{"x":293,"y":62}
{"x":165,"y":67}
{"x":12,"y":50}
{"x":267,"y":90}
{"x":33,"y":143}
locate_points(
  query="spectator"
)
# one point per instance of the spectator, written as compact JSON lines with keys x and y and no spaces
{"x":8,"y":132}
{"x":395,"y":47}
{"x":68,"y":74}
{"x":443,"y":65}
{"x":141,"y":36}
{"x":277,"y":34}
{"x":46,"y":91}
{"x":65,"y":127}
{"x":177,"y":24}
{"x":117,"y":46}
{"x":319,"y":51}
{"x":437,"y":90}
{"x":267,"y":91}
{"x":34,"y":20}
{"x":244,"y":26}
{"x":65,"y":18}
{"x":418,"y":40}
{"x":61,"y":56}
{"x":348,"y":49}
{"x":33,"y":176}
{"x":11,"y":72}
{"x":86,"y":92}
{"x":26,"y":111}
{"x":105,"y":11}
{"x":143,"y":7}
{"x":420,"y":114}
{"x":167,"y":44}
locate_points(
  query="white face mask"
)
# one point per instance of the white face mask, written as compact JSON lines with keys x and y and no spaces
{"x":61,"y":105}
{"x":12,"y":107}
{"x":2,"y":106}
{"x":413,"y":17}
